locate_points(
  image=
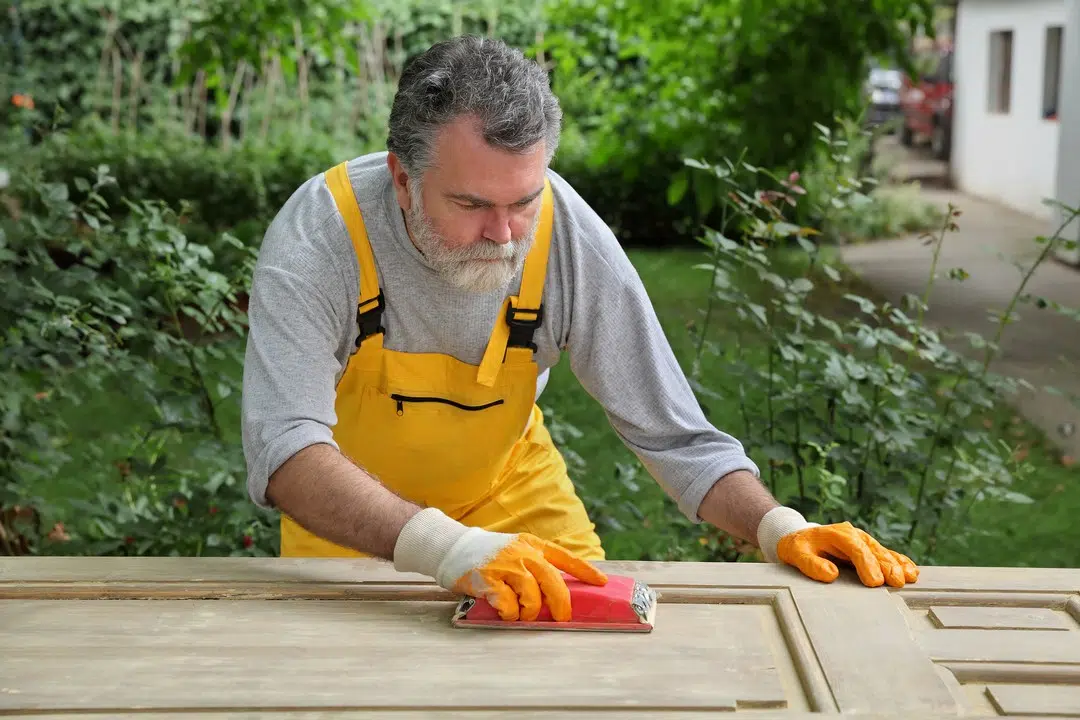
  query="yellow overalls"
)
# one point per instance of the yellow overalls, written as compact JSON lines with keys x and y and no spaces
{"x":447,"y":434}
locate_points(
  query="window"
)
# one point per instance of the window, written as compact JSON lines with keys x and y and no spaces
{"x":1000,"y":87}
{"x":1052,"y":73}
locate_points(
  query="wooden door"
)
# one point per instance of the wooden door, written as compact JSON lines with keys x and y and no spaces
{"x":299,"y":638}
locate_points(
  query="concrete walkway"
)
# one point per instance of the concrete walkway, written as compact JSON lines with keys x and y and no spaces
{"x":1042,"y":347}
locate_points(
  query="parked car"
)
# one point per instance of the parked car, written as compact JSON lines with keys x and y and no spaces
{"x":883,"y":90}
{"x":926,"y":105}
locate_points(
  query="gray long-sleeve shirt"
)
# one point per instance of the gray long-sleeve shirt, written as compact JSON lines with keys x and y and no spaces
{"x":302,"y":326}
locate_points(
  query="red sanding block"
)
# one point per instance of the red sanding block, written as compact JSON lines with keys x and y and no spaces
{"x":622,"y":605}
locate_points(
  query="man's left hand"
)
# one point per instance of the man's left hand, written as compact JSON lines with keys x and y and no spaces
{"x":808,"y":550}
{"x":785,"y":536}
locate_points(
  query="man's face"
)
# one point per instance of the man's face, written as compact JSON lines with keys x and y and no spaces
{"x":475,"y":213}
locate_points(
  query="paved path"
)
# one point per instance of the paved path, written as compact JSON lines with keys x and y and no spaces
{"x":1042,"y":347}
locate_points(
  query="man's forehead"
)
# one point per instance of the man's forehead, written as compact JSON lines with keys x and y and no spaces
{"x":467,"y":168}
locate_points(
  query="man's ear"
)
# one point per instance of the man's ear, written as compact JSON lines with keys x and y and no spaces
{"x":400,"y":179}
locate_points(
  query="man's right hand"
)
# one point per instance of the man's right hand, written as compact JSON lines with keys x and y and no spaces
{"x":516,"y":573}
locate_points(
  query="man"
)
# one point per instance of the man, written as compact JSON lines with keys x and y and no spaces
{"x":404,"y":314}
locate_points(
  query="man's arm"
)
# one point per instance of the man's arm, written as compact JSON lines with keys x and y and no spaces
{"x":736,"y":504}
{"x":331,"y":497}
{"x":741,"y":506}
{"x":619,"y":352}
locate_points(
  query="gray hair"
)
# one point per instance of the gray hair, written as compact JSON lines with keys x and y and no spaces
{"x":469,"y":75}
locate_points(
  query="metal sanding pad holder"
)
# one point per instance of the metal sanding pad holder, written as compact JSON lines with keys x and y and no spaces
{"x":622,"y":605}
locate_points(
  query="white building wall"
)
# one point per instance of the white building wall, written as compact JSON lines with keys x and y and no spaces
{"x":1068,"y":171}
{"x":1011,"y":158}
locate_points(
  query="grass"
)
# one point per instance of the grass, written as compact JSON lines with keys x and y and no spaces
{"x":635,"y":518}
{"x":1044,"y":534}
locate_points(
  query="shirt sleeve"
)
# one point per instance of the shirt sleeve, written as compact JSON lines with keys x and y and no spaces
{"x":621,"y":356}
{"x":291,"y":367}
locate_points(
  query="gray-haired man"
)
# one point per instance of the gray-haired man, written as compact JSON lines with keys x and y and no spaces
{"x":405,"y":311}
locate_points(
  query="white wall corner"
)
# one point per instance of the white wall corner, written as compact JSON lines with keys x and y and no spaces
{"x":1068,"y":170}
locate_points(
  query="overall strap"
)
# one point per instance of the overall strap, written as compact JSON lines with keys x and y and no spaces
{"x":371,"y":303}
{"x":523,"y":313}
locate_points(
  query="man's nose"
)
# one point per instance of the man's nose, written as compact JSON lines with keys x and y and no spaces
{"x":498,"y":228}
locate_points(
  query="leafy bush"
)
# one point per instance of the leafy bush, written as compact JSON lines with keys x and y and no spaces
{"x":223,"y":188}
{"x":845,"y":199}
{"x":871,"y":417}
{"x":100,"y":57}
{"x":58,"y":50}
{"x":100,"y":305}
{"x":649,"y":84}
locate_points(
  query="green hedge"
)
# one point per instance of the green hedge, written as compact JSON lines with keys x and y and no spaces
{"x":225,"y":188}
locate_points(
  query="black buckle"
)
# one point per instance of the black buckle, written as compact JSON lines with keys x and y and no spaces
{"x":370,"y":320}
{"x":521,"y":331}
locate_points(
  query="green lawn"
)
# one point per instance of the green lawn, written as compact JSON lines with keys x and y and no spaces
{"x":635,"y":518}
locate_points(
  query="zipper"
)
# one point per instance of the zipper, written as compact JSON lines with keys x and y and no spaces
{"x":402,"y":399}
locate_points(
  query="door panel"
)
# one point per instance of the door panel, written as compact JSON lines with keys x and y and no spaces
{"x":298,"y":638}
{"x":1011,"y":648}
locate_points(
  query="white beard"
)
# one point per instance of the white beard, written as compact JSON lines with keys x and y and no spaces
{"x":469,"y":268}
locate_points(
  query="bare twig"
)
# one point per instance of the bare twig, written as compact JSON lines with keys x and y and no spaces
{"x":201,"y":101}
{"x":118,"y":85}
{"x":230,"y":107}
{"x":136,"y":87}
{"x":249,"y":94}
{"x":106,"y":56}
{"x":361,"y":99}
{"x":398,"y":61}
{"x":456,"y":20}
{"x":191,"y":119}
{"x":302,"y":76}
{"x":271,"y":86}
{"x":376,"y":53}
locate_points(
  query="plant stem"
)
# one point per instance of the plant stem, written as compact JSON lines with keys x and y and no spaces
{"x":964,"y":510}
{"x":712,"y":283}
{"x":193,"y":363}
{"x":712,"y":297}
{"x":925,"y":300}
{"x":743,"y":410}
{"x":769,"y":404}
{"x":796,"y":447}
{"x":931,"y":540}
{"x":987,"y":359}
{"x":869,"y":446}
{"x":871,"y":441}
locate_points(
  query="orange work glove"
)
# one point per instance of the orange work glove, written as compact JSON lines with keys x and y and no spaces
{"x":785,"y":536}
{"x":516,"y":573}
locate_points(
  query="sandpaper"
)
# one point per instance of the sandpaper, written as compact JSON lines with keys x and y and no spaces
{"x":622,"y":605}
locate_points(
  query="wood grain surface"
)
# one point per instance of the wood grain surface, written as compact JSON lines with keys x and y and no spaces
{"x":212,"y":638}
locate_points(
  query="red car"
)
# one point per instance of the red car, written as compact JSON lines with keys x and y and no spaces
{"x":927,"y":107}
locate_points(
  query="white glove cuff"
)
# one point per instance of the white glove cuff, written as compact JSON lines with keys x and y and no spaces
{"x":425,"y":540}
{"x":777,"y":523}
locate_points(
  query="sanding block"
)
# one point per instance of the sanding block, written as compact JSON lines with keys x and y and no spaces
{"x":622,"y":605}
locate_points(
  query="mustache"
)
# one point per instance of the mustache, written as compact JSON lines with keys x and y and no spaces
{"x":488,"y":250}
